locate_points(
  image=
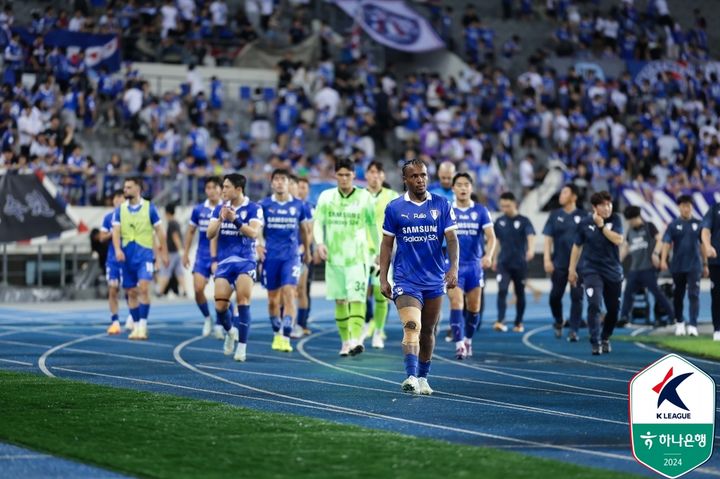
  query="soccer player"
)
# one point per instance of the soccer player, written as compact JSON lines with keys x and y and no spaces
{"x":474,"y":228}
{"x":134,"y":222}
{"x":302,"y":192}
{"x":643,"y":246}
{"x":687,"y":265}
{"x":516,"y":238}
{"x":201,"y":270}
{"x":598,"y":240}
{"x":560,"y":230}
{"x":283,"y":229}
{"x":346,"y":237}
{"x":113,"y":269}
{"x":711,"y":243}
{"x":232,"y":230}
{"x":381,"y":196}
{"x":418,"y":221}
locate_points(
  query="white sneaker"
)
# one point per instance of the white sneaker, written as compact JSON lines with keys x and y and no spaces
{"x":692,"y":330}
{"x":424,"y":387}
{"x":240,"y":352}
{"x":345,"y":349}
{"x":207,"y":327}
{"x":410,"y":385}
{"x":468,"y":348}
{"x":230,"y":339}
{"x":219,"y":332}
{"x":680,"y":329}
{"x":377,"y":340}
{"x":500,"y":327}
{"x":460,"y":351}
{"x":716,"y":336}
{"x":129,"y":323}
{"x":297,"y":332}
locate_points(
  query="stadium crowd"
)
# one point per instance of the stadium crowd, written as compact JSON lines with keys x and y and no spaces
{"x":606,"y":131}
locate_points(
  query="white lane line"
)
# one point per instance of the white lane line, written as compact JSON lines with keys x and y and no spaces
{"x":526,"y":341}
{"x":526,"y":378}
{"x":11,"y":457}
{"x":661,"y":351}
{"x":491,"y":383}
{"x":49,"y":352}
{"x":12,"y":361}
{"x":446,"y":396}
{"x":344,"y":410}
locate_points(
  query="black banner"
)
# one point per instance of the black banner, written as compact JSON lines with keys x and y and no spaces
{"x":28,"y":210}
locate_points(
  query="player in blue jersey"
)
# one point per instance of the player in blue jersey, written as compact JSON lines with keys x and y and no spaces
{"x":475,"y":227}
{"x":284,"y":218}
{"x":300,"y":188}
{"x":233,"y":228}
{"x":598,"y":239}
{"x":201,"y":270}
{"x":137,"y":231}
{"x":113,"y":270}
{"x":559,"y":231}
{"x":417,"y":222}
{"x":516,"y":238}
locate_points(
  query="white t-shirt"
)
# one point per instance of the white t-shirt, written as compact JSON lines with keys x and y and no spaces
{"x":133,"y":99}
{"x":219,"y":11}
{"x":667,"y":146}
{"x":328,"y":98}
{"x":169,"y":17}
{"x":76,"y":24}
{"x":187,"y":9}
{"x":527,"y":173}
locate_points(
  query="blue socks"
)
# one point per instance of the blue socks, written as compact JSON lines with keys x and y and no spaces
{"x":224,"y":318}
{"x":144,"y":310}
{"x":302,"y":317}
{"x":243,"y":323}
{"x":114,"y":318}
{"x":423,"y":368}
{"x":472,"y":322}
{"x":411,"y":364}
{"x":275,"y":323}
{"x":204,"y":309}
{"x":456,"y":316}
{"x":135,"y":313}
{"x":287,"y":326}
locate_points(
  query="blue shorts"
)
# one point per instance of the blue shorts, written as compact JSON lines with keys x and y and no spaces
{"x":202,"y":267}
{"x":470,"y":276}
{"x":113,"y":273}
{"x":401,"y":288}
{"x":231,"y":270}
{"x":138,"y":266}
{"x":277,"y":273}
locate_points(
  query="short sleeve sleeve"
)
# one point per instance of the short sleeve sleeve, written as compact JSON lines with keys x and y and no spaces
{"x":616,"y":224}
{"x":255,"y":213}
{"x":485,"y":218}
{"x":215,"y":215}
{"x":194,"y":217}
{"x":548,"y":228}
{"x":154,"y":215}
{"x":707,"y":219}
{"x":389,"y":226}
{"x":529,"y":228}
{"x":667,"y":238}
{"x":116,"y":216}
{"x":107,"y":223}
{"x":449,"y":219}
{"x":580,"y":234}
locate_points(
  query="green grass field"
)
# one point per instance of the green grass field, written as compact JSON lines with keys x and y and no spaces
{"x":156,"y":435}
{"x":702,"y":347}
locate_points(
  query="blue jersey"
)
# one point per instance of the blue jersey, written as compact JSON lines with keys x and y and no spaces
{"x":199,"y":218}
{"x":282,"y":226}
{"x":233,"y":246}
{"x":600,"y":255}
{"x":684,"y":235}
{"x":419,"y":230}
{"x":562,"y":226}
{"x":512,"y":233}
{"x":472,"y":222}
{"x":107,"y":228}
{"x":711,"y":221}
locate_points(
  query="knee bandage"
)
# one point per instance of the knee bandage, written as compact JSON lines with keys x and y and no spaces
{"x":411,"y":331}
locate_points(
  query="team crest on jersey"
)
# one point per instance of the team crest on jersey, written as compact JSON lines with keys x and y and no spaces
{"x":292,"y":211}
{"x":577,"y":219}
{"x":434,"y":214}
{"x":474,"y":215}
{"x":516,"y":224}
{"x":243,"y":215}
{"x":590,"y":292}
{"x":694,"y":227}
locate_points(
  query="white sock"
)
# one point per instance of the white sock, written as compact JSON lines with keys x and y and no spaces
{"x":143,"y":323}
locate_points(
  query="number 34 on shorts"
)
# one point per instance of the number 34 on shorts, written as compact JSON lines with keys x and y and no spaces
{"x":346,"y":282}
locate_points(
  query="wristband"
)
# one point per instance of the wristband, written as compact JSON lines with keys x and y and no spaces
{"x":213,"y":259}
{"x":238,"y":222}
